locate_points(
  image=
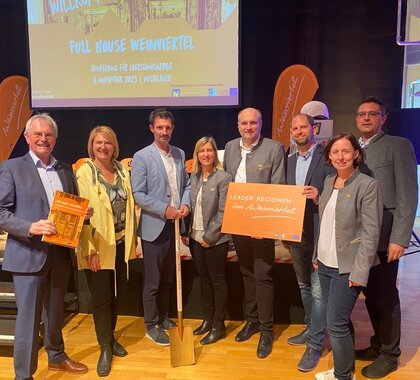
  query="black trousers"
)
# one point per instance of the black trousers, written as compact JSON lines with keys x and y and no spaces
{"x":103,"y":299}
{"x":383,"y":305}
{"x":159,"y":271}
{"x":211,"y":266}
{"x":256,"y":261}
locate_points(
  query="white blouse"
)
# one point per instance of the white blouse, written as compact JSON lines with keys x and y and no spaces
{"x":327,"y":251}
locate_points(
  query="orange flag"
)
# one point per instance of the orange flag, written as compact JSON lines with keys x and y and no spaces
{"x":14,"y":112}
{"x":296,"y":86}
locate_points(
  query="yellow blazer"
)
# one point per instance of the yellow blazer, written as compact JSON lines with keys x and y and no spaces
{"x":99,"y":235}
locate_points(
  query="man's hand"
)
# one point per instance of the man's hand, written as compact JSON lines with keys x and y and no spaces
{"x":185,"y":240}
{"x":42,"y":227}
{"x":89,"y":213}
{"x":395,"y":251}
{"x":184,"y":210}
{"x":171,"y":213}
{"x":311,"y":192}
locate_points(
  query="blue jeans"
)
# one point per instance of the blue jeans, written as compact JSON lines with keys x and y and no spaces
{"x":340,"y":299}
{"x":310,"y":291}
{"x":318,"y":314}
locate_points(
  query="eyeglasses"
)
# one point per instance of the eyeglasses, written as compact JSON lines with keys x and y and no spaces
{"x":368,"y":113}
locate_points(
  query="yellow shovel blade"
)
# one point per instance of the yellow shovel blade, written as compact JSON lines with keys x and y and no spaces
{"x":181,"y":347}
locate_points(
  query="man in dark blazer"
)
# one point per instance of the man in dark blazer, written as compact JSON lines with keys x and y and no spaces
{"x":40,"y":270}
{"x":255,"y":159}
{"x":306,"y":168}
{"x":161,"y":188}
{"x":391,"y":161}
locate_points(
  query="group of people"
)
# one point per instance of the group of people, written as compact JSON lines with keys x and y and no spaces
{"x":360,"y":209}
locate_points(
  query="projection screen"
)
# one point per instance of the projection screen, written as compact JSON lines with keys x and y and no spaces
{"x":117,"y":53}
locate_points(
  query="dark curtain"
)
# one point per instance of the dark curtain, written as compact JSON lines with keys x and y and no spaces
{"x":350,"y":45}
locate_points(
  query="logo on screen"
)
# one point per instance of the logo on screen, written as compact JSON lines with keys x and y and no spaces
{"x":176,"y":92}
{"x":212,"y":92}
{"x":233,"y":91}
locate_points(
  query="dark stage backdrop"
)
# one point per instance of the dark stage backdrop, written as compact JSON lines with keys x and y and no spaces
{"x":350,"y":45}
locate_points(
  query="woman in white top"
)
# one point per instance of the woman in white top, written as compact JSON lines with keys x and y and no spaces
{"x":350,"y":209}
{"x":208,"y":245}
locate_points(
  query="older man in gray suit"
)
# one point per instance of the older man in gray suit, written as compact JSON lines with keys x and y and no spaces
{"x":40,"y":270}
{"x":255,"y":159}
{"x":391,"y":161}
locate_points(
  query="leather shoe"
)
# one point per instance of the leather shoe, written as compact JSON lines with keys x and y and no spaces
{"x":69,"y":366}
{"x":213,"y":336}
{"x":247,"y":331}
{"x":265,"y":345}
{"x":299,"y":339}
{"x":118,"y":349}
{"x":103,"y":367}
{"x":367,"y":354}
{"x":381,"y":367}
{"x":203,"y":328}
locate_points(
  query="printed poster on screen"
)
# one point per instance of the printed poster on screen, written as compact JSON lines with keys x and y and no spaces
{"x":261,"y":210}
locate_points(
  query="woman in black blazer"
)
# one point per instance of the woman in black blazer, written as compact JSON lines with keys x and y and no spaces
{"x":208,"y":245}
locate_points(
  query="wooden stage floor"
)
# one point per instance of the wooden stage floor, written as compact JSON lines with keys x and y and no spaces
{"x":226,"y":358}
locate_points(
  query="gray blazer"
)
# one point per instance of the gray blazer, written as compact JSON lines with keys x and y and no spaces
{"x":317,"y":172}
{"x":151,"y":191}
{"x":213,"y":204}
{"x":22,"y":202}
{"x":392,"y":162}
{"x":264,"y":164}
{"x":357,"y":224}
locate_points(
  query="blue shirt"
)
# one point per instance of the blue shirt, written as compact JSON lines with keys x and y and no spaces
{"x":49,"y":177}
{"x":302,"y":165}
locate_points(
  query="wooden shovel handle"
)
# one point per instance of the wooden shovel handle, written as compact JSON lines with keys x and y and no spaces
{"x":178,"y":277}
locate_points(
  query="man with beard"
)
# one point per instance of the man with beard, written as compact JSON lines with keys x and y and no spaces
{"x":306,"y":168}
{"x":161,"y":188}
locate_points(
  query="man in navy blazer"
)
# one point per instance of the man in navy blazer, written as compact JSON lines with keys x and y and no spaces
{"x":40,"y":270}
{"x":306,"y":168}
{"x":161,"y":188}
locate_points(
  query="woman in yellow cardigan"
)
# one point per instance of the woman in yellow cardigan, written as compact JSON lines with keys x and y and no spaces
{"x":109,"y":241}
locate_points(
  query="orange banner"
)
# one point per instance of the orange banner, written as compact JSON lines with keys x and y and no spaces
{"x":296,"y":86}
{"x":14,"y":112}
{"x":261,"y":210}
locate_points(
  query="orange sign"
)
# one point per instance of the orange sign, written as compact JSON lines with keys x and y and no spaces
{"x":14,"y":112}
{"x":261,"y":210}
{"x":295,"y":87}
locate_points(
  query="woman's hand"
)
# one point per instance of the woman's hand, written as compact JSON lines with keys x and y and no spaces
{"x":352,"y":284}
{"x":185,"y":240}
{"x":204,"y":244}
{"x":89,"y":213}
{"x":94,"y":263}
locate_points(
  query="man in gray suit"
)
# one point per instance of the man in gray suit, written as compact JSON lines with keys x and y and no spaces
{"x":391,"y":161}
{"x":161,"y":188}
{"x":306,"y":168}
{"x":255,"y":159}
{"x":40,"y":270}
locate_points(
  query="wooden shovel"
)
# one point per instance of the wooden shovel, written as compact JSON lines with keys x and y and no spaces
{"x":180,"y":337}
